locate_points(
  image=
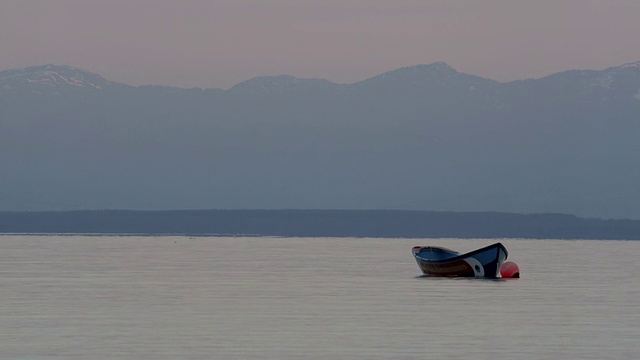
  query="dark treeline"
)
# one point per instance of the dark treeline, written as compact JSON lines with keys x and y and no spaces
{"x":319,"y":223}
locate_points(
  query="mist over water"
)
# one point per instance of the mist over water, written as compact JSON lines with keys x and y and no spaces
{"x":322,"y":298}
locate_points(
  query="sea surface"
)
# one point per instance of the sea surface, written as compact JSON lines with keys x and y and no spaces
{"x":108,"y":297}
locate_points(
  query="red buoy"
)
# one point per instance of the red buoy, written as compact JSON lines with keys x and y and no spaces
{"x":509,"y":270}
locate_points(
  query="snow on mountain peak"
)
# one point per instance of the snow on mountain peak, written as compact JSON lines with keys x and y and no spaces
{"x":633,"y":65}
{"x":50,"y":76}
{"x":623,"y":68}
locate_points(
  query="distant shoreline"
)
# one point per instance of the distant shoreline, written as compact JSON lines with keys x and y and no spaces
{"x":316,"y":223}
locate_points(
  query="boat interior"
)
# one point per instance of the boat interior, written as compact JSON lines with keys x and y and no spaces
{"x":436,"y":253}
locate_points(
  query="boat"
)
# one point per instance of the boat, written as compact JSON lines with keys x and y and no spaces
{"x":482,"y":263}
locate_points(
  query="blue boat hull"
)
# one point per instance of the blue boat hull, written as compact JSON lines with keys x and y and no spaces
{"x":481,"y":263}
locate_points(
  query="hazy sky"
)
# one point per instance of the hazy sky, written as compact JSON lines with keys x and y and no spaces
{"x":218,"y":43}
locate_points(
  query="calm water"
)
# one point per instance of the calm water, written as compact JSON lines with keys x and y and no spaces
{"x":290,"y":298}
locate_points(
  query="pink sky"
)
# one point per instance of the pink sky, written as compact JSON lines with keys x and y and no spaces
{"x":219,"y":43}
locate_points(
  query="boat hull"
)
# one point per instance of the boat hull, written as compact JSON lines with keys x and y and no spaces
{"x":481,"y":263}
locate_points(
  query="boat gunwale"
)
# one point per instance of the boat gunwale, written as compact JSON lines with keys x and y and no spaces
{"x":461,"y":256}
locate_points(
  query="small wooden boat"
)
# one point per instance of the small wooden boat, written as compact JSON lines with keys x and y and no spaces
{"x":481,"y":263}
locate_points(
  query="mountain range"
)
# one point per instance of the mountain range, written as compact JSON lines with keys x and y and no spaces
{"x":425,"y":137}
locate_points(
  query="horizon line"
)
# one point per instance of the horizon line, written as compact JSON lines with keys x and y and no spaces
{"x":633,"y":63}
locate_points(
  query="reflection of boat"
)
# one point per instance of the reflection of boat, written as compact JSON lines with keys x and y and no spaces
{"x":481,"y":263}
